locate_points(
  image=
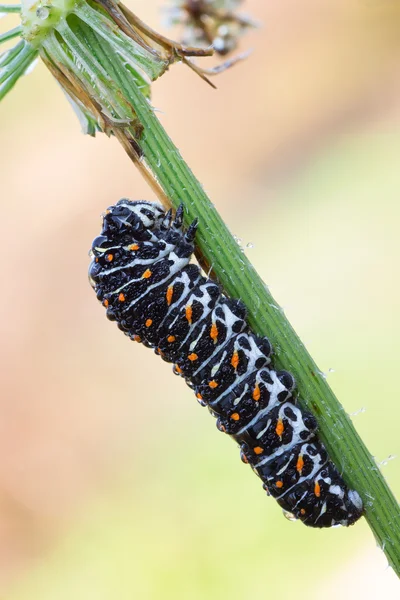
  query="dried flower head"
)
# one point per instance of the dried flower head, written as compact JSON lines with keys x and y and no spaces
{"x":210,"y":22}
{"x":87,"y":45}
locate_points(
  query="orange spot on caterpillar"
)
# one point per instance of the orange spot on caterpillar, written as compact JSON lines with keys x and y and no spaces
{"x":133,"y":247}
{"x":279,"y":428}
{"x":147,"y":274}
{"x":235,"y":417}
{"x":189,"y":314}
{"x":300,"y":464}
{"x":279,"y":484}
{"x":214,"y":332}
{"x":258,"y":450}
{"x":149,"y":323}
{"x":317,"y":489}
{"x":96,"y":260}
{"x":171,"y":338}
{"x":256,"y":393}
{"x":303,"y":511}
{"x":213,"y":384}
{"x":193,"y":356}
{"x":199,"y":396}
{"x":169,"y":294}
{"x":105,"y":303}
{"x":137,"y":338}
{"x":109,"y":257}
{"x":178,"y":369}
{"x":121,"y":297}
{"x":235,"y":360}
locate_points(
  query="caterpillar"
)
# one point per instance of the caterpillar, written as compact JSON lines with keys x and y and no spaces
{"x":142,"y":274}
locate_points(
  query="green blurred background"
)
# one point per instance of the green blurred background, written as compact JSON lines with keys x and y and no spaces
{"x":114,"y":483}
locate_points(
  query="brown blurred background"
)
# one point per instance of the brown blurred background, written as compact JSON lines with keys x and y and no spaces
{"x":114,"y":483}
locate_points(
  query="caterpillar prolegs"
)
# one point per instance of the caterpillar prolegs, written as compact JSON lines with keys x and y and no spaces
{"x":141,"y":272}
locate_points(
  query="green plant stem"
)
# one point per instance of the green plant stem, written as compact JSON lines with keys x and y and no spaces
{"x":239,"y":279}
{"x":10,"y":8}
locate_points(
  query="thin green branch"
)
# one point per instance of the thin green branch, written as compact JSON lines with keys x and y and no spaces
{"x":9,"y":55}
{"x":10,"y":8}
{"x":14,"y":64}
{"x":18,"y":65}
{"x":239,"y":279}
{"x":11,"y":34}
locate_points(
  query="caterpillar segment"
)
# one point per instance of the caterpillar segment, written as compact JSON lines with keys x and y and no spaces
{"x":141,"y":273}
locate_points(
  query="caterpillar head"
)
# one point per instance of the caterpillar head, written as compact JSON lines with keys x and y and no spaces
{"x":135,"y":220}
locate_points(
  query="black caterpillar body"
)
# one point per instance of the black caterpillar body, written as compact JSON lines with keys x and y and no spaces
{"x":141,"y":274}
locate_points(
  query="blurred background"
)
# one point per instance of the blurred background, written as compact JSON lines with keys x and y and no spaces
{"x":114,"y":483}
